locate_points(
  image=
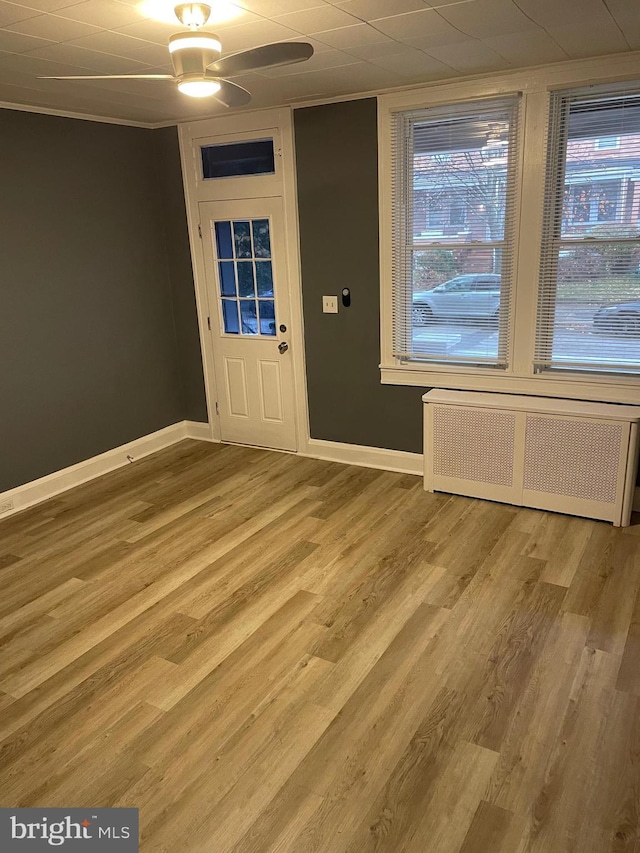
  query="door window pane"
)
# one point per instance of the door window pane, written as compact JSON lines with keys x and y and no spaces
{"x":261,"y":238}
{"x":249,"y":317}
{"x":264,"y":278}
{"x":230,"y":316}
{"x":245,"y":272}
{"x":223,"y":240}
{"x":245,"y":278}
{"x":242,"y":238}
{"x":227,"y":278}
{"x":267,"y":317}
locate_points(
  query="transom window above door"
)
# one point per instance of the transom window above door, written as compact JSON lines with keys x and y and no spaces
{"x":245,"y":277}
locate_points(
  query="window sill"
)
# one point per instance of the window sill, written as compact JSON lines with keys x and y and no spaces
{"x":605,"y":389}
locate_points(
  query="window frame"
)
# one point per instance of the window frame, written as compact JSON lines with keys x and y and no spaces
{"x":535,"y":88}
{"x":556,"y":232}
{"x":234,"y":186}
{"x":408,"y":126}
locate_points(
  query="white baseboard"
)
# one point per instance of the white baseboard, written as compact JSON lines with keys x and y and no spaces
{"x":199,"y":431}
{"x":36,"y":491}
{"x":367,"y":457}
{"x":39,"y":490}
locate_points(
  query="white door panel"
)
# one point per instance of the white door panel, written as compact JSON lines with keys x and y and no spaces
{"x":270,"y":377}
{"x":248,"y":295}
{"x":236,"y":387}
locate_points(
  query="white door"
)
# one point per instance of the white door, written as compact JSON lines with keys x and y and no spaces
{"x":248,"y":293}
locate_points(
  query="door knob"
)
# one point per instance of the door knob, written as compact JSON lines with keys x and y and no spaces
{"x":283,"y":346}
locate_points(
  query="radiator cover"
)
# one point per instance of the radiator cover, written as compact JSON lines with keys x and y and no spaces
{"x":561,"y":455}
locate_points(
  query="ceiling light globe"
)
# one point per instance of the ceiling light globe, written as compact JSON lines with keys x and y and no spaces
{"x":199,"y":88}
{"x":193,"y":15}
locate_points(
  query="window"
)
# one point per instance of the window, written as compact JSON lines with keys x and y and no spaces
{"x":453,"y":225}
{"x":587,"y":203}
{"x":589,"y":294}
{"x":245,"y":277}
{"x":236,"y":159}
{"x":510,"y":233}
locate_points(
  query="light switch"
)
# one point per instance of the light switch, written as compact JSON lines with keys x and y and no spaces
{"x":329,"y":304}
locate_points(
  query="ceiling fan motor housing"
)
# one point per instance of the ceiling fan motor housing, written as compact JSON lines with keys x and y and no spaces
{"x":192,"y":53}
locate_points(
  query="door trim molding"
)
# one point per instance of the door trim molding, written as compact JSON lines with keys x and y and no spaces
{"x":292,"y":237}
{"x":244,"y":125}
{"x":199,"y":280}
{"x":60,"y":481}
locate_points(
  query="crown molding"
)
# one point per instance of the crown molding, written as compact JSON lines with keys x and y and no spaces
{"x":49,"y":111}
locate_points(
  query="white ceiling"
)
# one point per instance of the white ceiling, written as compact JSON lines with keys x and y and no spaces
{"x":360,"y":46}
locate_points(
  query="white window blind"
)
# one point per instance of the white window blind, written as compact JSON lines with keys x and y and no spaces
{"x":453,"y":203}
{"x":589,"y":296}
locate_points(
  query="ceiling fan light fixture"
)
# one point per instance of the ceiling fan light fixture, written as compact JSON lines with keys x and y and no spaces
{"x":194,"y":15}
{"x":199,"y":69}
{"x":199,"y":41}
{"x":199,"y":88}
{"x":192,"y":53}
{"x":165,"y":11}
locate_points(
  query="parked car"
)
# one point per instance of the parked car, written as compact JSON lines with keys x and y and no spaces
{"x":475,"y":295}
{"x":620,"y":319}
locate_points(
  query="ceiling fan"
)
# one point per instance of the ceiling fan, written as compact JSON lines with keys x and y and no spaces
{"x":199,"y":69}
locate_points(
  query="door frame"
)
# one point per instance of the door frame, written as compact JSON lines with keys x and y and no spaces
{"x":261,"y":124}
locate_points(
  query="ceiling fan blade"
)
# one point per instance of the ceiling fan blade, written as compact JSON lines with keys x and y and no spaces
{"x":112,"y":77}
{"x":232,"y":95}
{"x":267,"y":56}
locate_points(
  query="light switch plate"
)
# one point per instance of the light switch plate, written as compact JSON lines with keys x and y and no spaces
{"x":329,"y":304}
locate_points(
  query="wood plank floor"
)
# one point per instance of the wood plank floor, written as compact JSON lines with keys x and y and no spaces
{"x":267,"y":653}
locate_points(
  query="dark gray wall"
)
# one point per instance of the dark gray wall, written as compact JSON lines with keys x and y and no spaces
{"x":89,"y":357}
{"x":176,"y":233}
{"x":337,"y":164}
